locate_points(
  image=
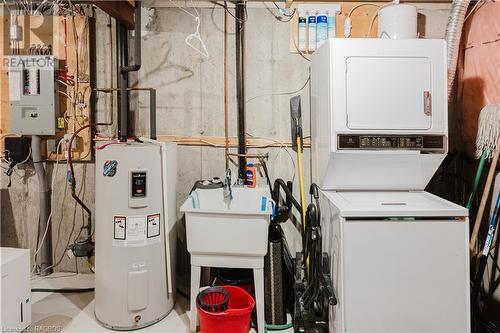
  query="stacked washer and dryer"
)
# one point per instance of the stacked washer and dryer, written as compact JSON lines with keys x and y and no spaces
{"x":399,"y":255}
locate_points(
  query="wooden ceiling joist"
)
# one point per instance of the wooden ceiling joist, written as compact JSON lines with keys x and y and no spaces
{"x":122,"y":11}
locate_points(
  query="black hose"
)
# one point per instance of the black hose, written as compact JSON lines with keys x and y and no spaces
{"x":317,"y":283}
{"x":280,"y":183}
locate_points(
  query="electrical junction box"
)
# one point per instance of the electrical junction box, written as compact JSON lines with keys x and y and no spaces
{"x":15,"y":290}
{"x":32,"y":94}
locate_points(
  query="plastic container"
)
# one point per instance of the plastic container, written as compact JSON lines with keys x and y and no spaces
{"x":251,"y":176}
{"x":398,"y":21}
{"x":332,"y":23}
{"x":236,"y":319}
{"x":302,"y":31}
{"x":239,"y":277}
{"x":321,"y":29}
{"x":311,"y":29}
{"x":213,"y":300}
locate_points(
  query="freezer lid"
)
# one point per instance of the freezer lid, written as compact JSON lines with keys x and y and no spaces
{"x":393,"y":204}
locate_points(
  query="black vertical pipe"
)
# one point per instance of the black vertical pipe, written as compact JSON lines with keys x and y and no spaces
{"x":124,"y":69}
{"x":240,"y":18}
{"x":123,"y":94}
{"x":137,"y":41}
{"x":152,"y":113}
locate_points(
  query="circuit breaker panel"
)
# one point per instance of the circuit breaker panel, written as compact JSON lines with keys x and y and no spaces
{"x":32,"y":94}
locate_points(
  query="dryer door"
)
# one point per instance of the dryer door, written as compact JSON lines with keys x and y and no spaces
{"x":388,"y":93}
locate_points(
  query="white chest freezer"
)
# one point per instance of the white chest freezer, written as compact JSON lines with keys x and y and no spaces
{"x":399,"y":262}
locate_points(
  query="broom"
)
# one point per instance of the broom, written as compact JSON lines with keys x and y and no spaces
{"x":488,"y":146}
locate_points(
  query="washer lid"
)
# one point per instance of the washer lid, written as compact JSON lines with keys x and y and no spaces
{"x":393,"y":204}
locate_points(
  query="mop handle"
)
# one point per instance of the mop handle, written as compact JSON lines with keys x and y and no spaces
{"x":301,"y":183}
{"x":483,"y":261}
{"x":477,"y":178}
{"x":484,"y":198}
{"x":492,"y":228}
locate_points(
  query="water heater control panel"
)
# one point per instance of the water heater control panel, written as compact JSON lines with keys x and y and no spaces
{"x":138,"y":188}
{"x":138,"y":184}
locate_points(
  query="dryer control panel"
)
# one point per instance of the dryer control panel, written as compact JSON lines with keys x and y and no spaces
{"x":388,"y":142}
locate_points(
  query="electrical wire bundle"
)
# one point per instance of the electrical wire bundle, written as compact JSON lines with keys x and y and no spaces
{"x":43,"y":7}
{"x":16,"y":157}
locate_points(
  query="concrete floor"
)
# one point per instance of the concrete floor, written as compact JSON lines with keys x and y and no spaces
{"x":52,"y":312}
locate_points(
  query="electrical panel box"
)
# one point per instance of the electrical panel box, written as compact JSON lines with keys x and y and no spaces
{"x":33,"y":94}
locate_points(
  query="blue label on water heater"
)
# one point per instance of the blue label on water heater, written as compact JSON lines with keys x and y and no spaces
{"x":263,"y":204}
{"x":109,"y":169}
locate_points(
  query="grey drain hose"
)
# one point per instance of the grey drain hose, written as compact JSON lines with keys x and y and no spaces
{"x":453,"y":36}
{"x":45,"y":252}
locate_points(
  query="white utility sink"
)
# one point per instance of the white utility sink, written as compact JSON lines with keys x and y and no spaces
{"x":235,"y":228}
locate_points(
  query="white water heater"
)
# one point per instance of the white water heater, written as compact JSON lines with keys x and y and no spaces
{"x":135,"y":233}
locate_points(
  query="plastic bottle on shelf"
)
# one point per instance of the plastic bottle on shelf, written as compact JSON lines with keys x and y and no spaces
{"x":321,"y":29}
{"x":311,"y":29}
{"x":302,"y":33}
{"x":332,"y":24}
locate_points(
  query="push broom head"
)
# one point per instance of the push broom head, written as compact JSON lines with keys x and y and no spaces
{"x":489,"y":130}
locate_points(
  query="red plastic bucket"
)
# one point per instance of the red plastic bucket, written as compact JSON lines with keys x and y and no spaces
{"x":236,"y":319}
